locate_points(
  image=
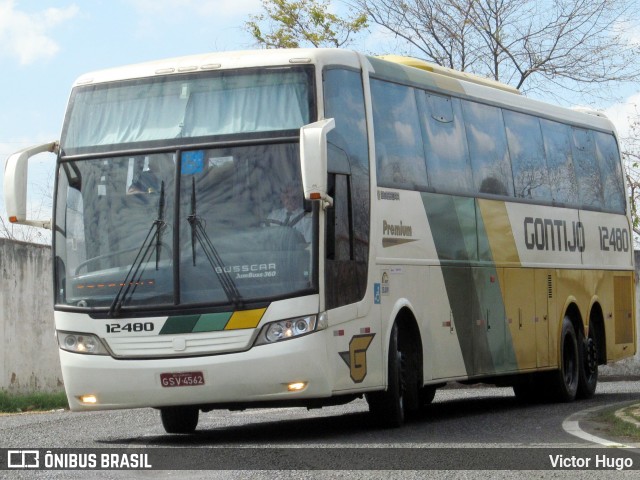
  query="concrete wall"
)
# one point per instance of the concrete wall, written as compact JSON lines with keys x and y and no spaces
{"x":28,"y":349}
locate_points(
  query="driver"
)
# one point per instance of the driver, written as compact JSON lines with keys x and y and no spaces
{"x":292,"y":213}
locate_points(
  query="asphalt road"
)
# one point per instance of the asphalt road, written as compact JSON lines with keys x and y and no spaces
{"x":462,"y":423}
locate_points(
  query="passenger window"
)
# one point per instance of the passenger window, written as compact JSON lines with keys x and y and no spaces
{"x":446,"y":149}
{"x":562,"y":177}
{"x":587,"y":169}
{"x":488,"y":149}
{"x":611,"y":171}
{"x":399,"y":152}
{"x":528,"y":161}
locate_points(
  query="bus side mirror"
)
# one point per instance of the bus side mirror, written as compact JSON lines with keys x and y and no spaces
{"x":15,"y":184}
{"x":313,"y":160}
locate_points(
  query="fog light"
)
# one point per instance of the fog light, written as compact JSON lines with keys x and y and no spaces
{"x":296,"y":386}
{"x":88,"y":399}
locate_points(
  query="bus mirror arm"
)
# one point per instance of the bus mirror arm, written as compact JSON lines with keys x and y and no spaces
{"x":313,"y":160}
{"x":15,"y":184}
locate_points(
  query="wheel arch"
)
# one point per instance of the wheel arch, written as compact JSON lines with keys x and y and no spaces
{"x":408,"y":330}
{"x":596,"y":325}
{"x":572,"y":312}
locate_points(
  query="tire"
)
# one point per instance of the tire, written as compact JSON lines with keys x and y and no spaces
{"x":564,"y":381}
{"x":427,"y":394}
{"x":388,"y":407}
{"x":588,"y":373}
{"x":179,"y":419}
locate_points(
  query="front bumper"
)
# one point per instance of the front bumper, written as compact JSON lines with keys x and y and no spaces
{"x":261,"y":374}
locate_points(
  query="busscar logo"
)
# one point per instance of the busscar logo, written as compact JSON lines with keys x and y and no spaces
{"x":356,"y":357}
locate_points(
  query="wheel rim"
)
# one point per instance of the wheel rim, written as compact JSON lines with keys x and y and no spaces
{"x":592,"y":356}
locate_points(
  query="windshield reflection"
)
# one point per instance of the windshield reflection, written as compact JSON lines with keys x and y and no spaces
{"x":239,"y":232}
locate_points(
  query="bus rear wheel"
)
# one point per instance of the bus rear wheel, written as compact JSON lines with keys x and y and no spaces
{"x":564,"y":381}
{"x":588,"y":374}
{"x":179,"y":419}
{"x":388,"y":407}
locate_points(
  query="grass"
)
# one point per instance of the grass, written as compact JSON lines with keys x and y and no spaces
{"x":619,"y":428}
{"x":10,"y":403}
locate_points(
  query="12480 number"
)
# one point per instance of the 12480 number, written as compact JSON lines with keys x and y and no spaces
{"x":130,"y":327}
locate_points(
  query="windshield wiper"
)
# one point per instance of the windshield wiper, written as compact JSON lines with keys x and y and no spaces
{"x":198,"y":233}
{"x":132,"y":279}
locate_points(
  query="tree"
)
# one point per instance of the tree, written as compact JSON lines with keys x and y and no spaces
{"x":292,"y":24}
{"x":540,"y":45}
{"x":631,"y":157}
{"x":38,"y":207}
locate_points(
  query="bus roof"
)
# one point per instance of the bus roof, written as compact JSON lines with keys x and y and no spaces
{"x":446,"y":81}
{"x":223,"y":61}
{"x":395,"y":68}
{"x":448,"y":72}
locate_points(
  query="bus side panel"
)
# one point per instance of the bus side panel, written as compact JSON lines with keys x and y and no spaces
{"x":409,"y":273}
{"x":623,"y":315}
{"x":472,"y":282}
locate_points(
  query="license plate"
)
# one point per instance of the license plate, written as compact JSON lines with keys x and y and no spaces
{"x":181,"y":379}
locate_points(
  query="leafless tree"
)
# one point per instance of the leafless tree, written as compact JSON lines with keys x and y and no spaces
{"x":631,"y":157}
{"x":534,"y":45}
{"x":39,"y":208}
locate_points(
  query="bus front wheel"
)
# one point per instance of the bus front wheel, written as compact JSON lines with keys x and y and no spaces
{"x":179,"y":419}
{"x":387,"y":407}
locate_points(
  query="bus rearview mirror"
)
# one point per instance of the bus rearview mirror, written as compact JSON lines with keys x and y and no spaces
{"x":313,"y":159}
{"x":15,"y":184}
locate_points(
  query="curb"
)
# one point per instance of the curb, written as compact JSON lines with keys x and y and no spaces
{"x":621,"y":414}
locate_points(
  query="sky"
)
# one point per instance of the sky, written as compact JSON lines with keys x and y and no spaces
{"x":45,"y":45}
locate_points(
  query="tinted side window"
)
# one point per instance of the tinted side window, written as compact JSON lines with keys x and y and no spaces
{"x":528,"y":161}
{"x":399,"y":152}
{"x":488,"y":148}
{"x":557,"y":146}
{"x":611,"y":172}
{"x":587,"y":169}
{"x":445,"y":143}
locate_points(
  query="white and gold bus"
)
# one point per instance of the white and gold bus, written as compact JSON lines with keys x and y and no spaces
{"x":305,"y":227}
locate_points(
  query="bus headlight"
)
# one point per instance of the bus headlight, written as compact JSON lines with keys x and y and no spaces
{"x":81,"y":343}
{"x":291,"y":328}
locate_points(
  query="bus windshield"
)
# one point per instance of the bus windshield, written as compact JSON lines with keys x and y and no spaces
{"x":185,"y":191}
{"x":237,"y":231}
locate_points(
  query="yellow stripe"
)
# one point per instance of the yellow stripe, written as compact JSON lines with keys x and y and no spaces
{"x":245,"y":319}
{"x":499,"y":232}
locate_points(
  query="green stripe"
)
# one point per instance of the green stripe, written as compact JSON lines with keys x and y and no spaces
{"x":472,"y":283}
{"x":179,"y":324}
{"x":212,"y":322}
